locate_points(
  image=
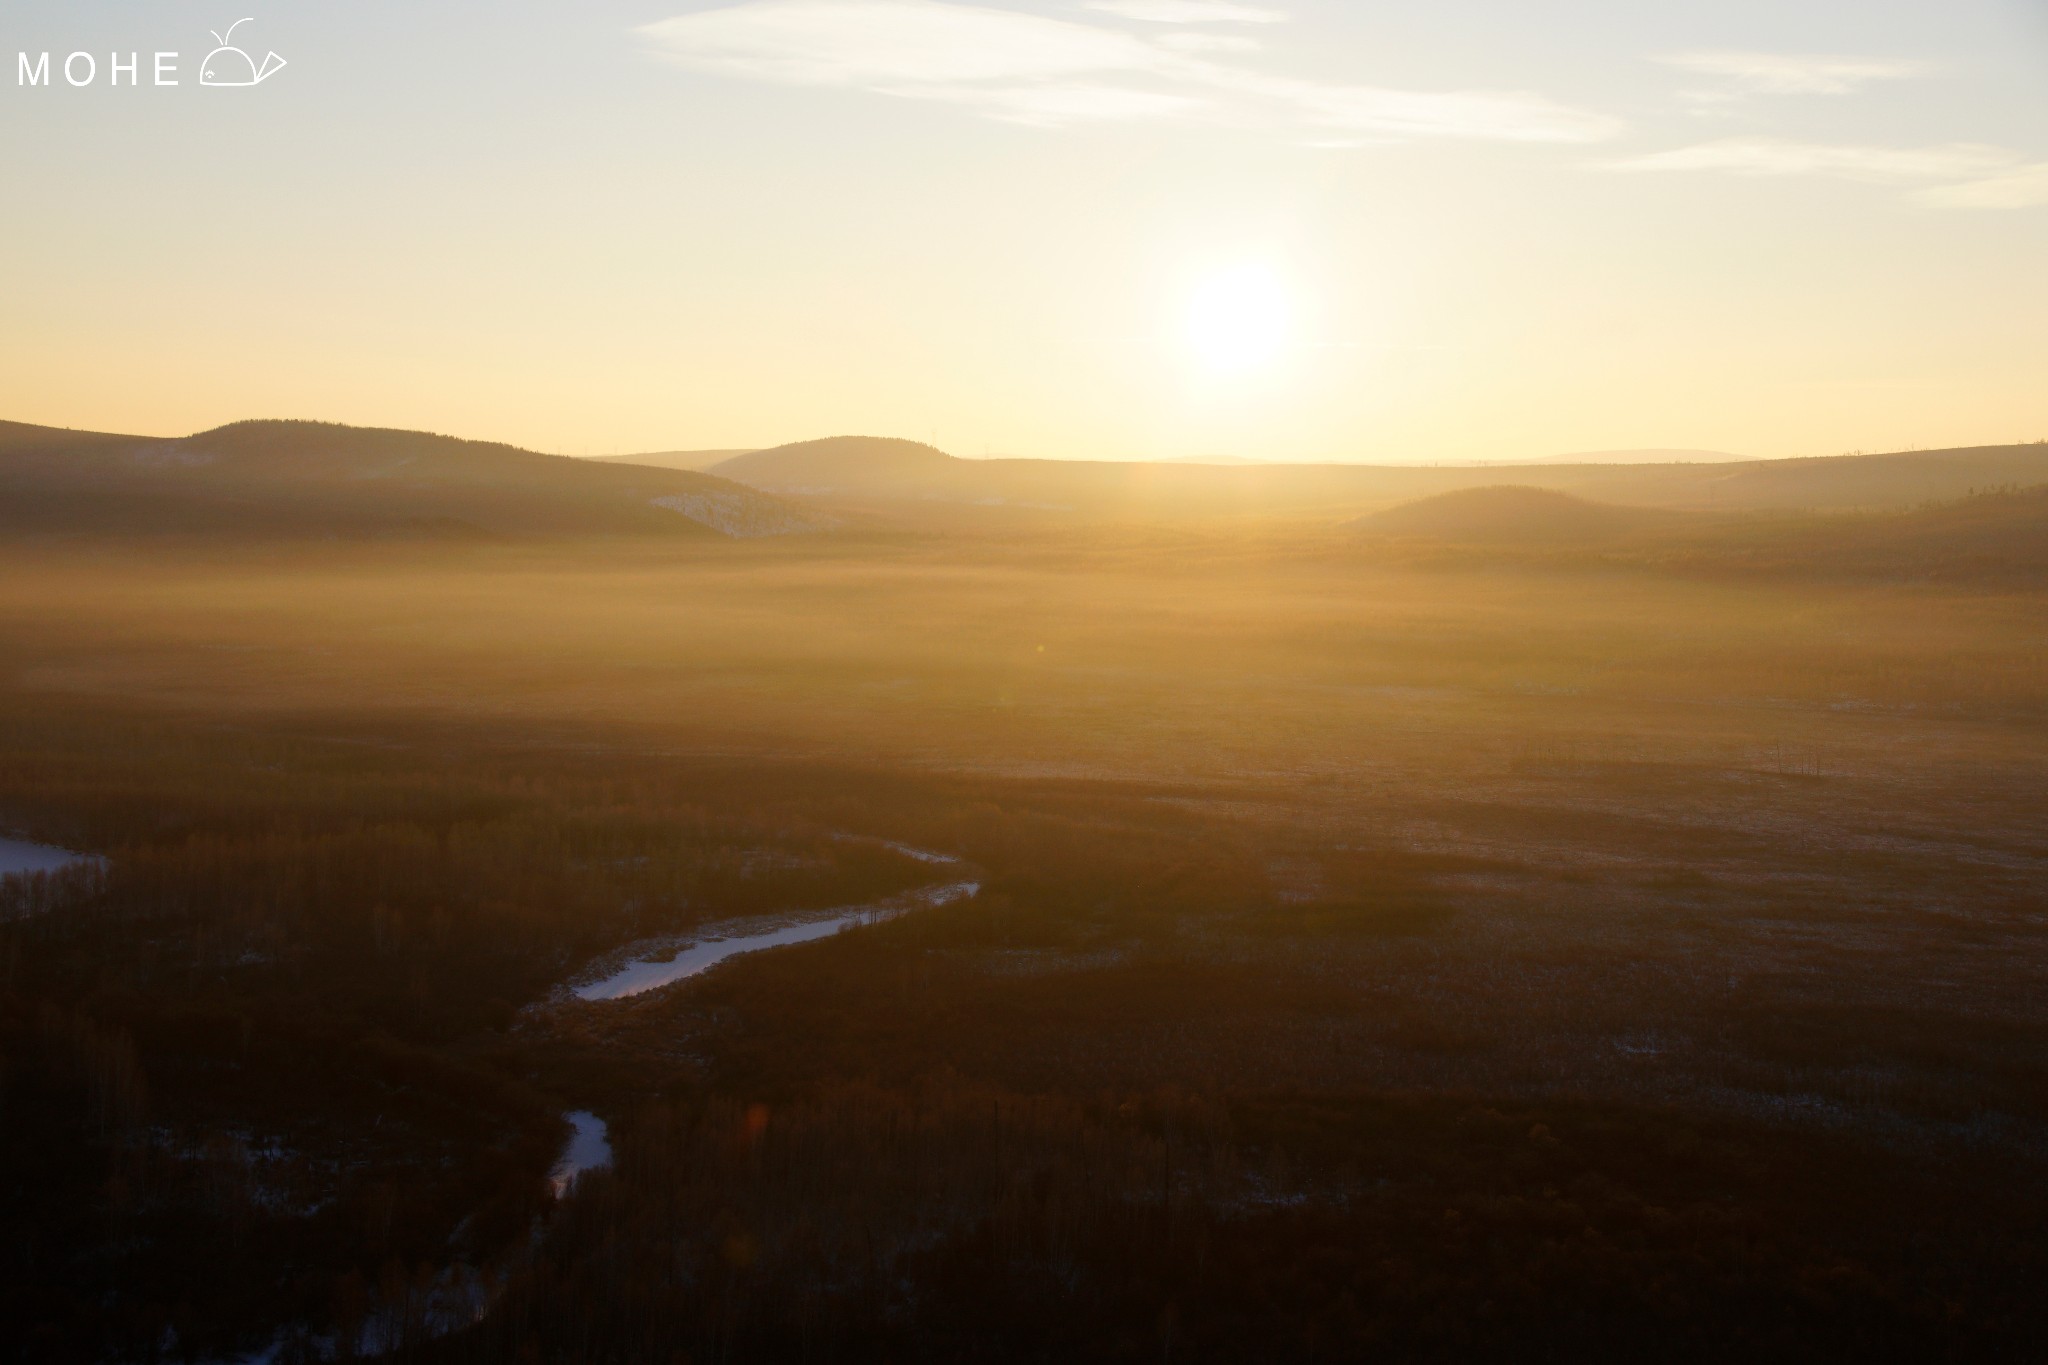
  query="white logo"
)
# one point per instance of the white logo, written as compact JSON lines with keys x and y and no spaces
{"x":231,"y":66}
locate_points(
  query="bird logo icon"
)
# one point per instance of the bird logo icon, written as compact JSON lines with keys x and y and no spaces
{"x":227,"y":65}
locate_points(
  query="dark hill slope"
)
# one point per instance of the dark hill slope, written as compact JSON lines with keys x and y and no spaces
{"x":1513,"y":514}
{"x":21,"y":436}
{"x":1993,"y":537}
{"x":1835,"y":483}
{"x":270,"y":479}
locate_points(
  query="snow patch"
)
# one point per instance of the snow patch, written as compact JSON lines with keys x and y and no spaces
{"x":737,"y":514}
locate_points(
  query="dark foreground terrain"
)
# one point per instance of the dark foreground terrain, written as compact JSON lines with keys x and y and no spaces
{"x":1382,"y":951}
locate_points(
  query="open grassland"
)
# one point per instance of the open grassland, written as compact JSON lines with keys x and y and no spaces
{"x":1180,"y":654}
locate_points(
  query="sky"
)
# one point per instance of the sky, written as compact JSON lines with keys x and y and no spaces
{"x":1126,"y":229}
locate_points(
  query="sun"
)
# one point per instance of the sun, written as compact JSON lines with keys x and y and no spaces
{"x":1239,"y":320}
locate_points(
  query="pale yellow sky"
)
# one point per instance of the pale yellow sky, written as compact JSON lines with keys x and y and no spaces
{"x":1478,"y":232}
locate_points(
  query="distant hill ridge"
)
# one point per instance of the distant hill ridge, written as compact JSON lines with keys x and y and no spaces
{"x":695,"y":460}
{"x":1623,"y":457}
{"x":1994,"y":536}
{"x":315,"y":478}
{"x":883,"y":470}
{"x":285,"y":478}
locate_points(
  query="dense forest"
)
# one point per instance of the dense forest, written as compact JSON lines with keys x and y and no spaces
{"x":265,"y":1050}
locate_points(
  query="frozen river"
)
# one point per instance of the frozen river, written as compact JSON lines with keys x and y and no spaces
{"x":16,"y":856}
{"x":663,"y":969}
{"x":589,"y":1149}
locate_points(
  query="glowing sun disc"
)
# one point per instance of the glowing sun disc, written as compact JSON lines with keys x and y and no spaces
{"x":1239,"y":320}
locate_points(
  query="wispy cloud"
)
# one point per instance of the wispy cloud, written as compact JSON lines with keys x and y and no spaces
{"x":1057,"y":104}
{"x":1984,"y":177}
{"x":1775,"y":73}
{"x":1777,"y":156}
{"x":1210,"y":42}
{"x":2021,"y":188}
{"x":1187,"y":11}
{"x":1371,"y":112}
{"x":1028,"y":68}
{"x":886,"y":45}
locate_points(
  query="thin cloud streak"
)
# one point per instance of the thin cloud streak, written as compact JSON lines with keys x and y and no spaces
{"x":1187,"y":11}
{"x":877,"y":44}
{"x":1025,"y":68}
{"x":1056,"y":105}
{"x":1371,"y":112}
{"x":1770,"y":73}
{"x":1210,"y":42}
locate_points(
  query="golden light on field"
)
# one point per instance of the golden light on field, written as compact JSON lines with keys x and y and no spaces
{"x":1241,"y":319}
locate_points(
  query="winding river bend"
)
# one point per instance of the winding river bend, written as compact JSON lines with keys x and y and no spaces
{"x":668,"y":963}
{"x":651,"y":966}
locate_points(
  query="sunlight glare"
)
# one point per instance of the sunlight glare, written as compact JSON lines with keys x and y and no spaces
{"x":1239,"y":319}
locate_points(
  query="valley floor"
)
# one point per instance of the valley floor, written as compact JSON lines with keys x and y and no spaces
{"x":1368,"y":960}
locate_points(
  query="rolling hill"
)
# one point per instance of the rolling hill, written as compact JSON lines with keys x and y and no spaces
{"x":849,"y":464}
{"x":1514,"y":514}
{"x":286,"y":479}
